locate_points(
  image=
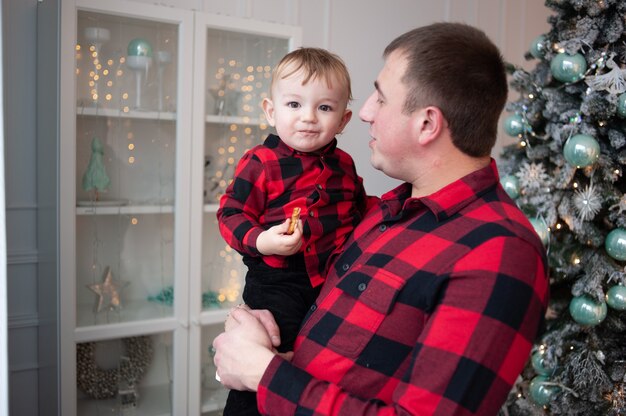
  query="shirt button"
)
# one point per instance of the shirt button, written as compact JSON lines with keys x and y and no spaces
{"x":362,"y":287}
{"x":345,"y":267}
{"x":308,"y":249}
{"x":313,"y":307}
{"x":319,"y":186}
{"x":382,"y":228}
{"x":311,"y":214}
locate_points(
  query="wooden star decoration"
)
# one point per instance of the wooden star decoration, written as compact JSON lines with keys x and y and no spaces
{"x":109,"y":292}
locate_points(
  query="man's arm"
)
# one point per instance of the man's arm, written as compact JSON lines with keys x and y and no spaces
{"x":469,"y":354}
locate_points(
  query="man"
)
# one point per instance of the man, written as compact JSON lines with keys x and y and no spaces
{"x":433,"y":305}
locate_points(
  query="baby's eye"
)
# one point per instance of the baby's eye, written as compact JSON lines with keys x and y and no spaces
{"x":325,"y":107}
{"x":293,"y":104}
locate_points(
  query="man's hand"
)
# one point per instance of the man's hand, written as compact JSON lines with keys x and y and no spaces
{"x":243,"y":352}
{"x":275,"y":240}
{"x":264,"y":316}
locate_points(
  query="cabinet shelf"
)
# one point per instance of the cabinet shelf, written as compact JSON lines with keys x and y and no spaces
{"x":162,"y":115}
{"x":213,"y":316}
{"x":124,"y":209}
{"x":135,"y":209}
{"x":136,"y":317}
{"x":117,"y":113}
{"x":241,"y":120}
{"x":211,"y":208}
{"x":153,"y":401}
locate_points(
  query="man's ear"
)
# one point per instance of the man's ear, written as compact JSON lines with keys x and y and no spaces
{"x":268,"y":109}
{"x":347,"y":115}
{"x":429,"y":124}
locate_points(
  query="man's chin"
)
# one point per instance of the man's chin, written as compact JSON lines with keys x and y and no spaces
{"x":375,"y":164}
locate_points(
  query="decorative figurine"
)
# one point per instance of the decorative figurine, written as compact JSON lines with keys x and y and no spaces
{"x":139,"y":59}
{"x":109,"y":292}
{"x":95,"y":177}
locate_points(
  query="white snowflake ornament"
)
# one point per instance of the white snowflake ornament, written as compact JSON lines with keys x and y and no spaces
{"x":533,"y":176}
{"x":613,"y":81}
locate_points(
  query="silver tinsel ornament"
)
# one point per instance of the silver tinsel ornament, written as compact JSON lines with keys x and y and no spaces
{"x":587,"y":202}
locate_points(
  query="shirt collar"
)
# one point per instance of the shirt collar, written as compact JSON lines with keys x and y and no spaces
{"x":275,"y":142}
{"x":453,"y":197}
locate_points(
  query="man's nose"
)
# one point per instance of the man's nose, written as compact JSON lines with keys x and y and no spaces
{"x":365,"y":113}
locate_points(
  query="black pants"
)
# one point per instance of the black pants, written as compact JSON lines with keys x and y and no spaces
{"x":288,"y":294}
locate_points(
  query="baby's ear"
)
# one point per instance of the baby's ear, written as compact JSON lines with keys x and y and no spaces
{"x":268,"y":109}
{"x":347,"y":115}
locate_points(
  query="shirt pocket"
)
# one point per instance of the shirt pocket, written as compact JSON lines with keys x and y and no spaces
{"x":354,"y":310}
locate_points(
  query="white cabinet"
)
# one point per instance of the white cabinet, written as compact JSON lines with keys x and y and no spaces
{"x":158,"y":104}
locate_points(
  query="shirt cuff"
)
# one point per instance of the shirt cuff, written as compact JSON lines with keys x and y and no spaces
{"x":280,"y":387}
{"x":250,"y":239}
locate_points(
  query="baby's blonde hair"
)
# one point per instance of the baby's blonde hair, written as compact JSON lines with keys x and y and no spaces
{"x":316,"y":63}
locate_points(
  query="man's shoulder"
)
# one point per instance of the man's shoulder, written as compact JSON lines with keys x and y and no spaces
{"x":496,"y":215}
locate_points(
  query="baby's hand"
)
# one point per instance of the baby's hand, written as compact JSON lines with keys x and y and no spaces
{"x":276,"y":240}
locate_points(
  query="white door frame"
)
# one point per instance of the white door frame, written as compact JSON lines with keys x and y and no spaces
{"x":4,"y":366}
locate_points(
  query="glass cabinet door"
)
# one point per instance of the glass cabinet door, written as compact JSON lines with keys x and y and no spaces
{"x":238,"y":75}
{"x":125,"y":263}
{"x":125,"y":168}
{"x":237,"y":58}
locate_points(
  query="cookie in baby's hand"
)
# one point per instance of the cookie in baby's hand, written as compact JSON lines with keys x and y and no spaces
{"x":295,"y":216}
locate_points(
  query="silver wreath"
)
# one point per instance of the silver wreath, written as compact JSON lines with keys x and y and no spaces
{"x":99,"y":383}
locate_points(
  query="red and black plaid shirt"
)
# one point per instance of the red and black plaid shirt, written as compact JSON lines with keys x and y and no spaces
{"x":431,"y":309}
{"x":272,"y":179}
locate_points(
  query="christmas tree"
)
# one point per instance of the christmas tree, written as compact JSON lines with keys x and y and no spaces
{"x":566,"y":171}
{"x":95,"y":177}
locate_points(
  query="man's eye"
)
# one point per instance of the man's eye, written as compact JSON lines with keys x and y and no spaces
{"x":325,"y":107}
{"x":293,"y":104}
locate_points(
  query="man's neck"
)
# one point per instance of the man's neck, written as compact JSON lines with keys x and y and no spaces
{"x":441,"y":172}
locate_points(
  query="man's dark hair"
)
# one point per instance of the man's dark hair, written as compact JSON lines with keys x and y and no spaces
{"x":456,"y":68}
